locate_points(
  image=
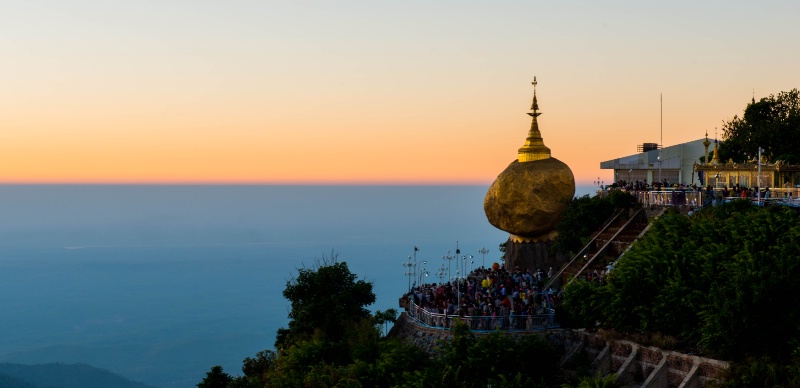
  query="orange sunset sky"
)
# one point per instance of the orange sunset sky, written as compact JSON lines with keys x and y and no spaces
{"x":352,"y":92}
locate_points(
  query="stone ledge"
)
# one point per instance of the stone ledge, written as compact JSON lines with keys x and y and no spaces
{"x":645,"y":366}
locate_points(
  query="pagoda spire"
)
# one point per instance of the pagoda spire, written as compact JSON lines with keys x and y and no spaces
{"x":706,"y":143}
{"x":715,"y":159}
{"x":534,"y":148}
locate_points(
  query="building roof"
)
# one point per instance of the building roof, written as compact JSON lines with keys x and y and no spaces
{"x":672,"y":157}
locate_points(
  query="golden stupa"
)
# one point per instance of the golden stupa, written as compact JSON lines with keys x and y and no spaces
{"x":528,"y":198}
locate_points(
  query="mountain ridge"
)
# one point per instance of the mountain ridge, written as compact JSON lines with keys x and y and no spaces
{"x":60,"y":375}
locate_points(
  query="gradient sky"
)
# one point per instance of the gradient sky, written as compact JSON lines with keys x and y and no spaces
{"x":410,"y":92}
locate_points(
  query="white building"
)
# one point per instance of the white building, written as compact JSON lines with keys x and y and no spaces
{"x":654,"y":163}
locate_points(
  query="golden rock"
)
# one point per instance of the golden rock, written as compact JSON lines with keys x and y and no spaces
{"x":528,"y":198}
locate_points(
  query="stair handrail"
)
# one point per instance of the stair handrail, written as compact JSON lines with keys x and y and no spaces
{"x":642,"y":233}
{"x":605,"y":226}
{"x":606,"y":245}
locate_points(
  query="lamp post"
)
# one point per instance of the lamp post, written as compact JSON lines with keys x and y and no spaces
{"x":458,"y":252}
{"x":408,"y":271}
{"x":659,"y":166}
{"x":440,"y":273}
{"x":465,"y":257}
{"x":758,"y":195}
{"x":449,"y":258}
{"x":483,"y":251}
{"x":458,"y":291}
{"x":422,"y":272}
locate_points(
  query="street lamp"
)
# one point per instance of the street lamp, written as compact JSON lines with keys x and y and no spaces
{"x":422,"y":272}
{"x":659,"y":166}
{"x":758,"y":195}
{"x":483,"y":251}
{"x":441,"y":272}
{"x":408,"y":271}
{"x":465,"y":264}
{"x":449,"y":258}
{"x":458,"y":252}
{"x":458,"y":290}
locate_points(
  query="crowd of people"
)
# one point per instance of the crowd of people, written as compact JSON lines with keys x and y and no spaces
{"x":493,"y":292}
{"x":643,"y":185}
{"x":737,"y":191}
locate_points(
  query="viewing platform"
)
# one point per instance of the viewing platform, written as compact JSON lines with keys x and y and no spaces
{"x":483,"y":323}
{"x":675,"y":197}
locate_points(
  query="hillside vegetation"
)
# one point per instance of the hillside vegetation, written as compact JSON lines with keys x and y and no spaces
{"x":332,"y":341}
{"x":721,"y":282}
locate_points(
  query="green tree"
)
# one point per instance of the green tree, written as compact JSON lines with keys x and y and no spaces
{"x":384,"y":317}
{"x":215,"y":378}
{"x":498,"y":359}
{"x":584,"y":215}
{"x":323,"y":300}
{"x":772,"y":123}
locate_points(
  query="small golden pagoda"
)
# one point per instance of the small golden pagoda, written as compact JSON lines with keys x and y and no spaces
{"x":534,"y":148}
{"x":715,"y":158}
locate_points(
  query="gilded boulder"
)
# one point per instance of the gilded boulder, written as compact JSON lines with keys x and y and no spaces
{"x":528,"y":198}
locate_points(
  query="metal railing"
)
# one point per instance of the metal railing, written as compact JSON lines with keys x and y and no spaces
{"x":483,"y":323}
{"x":667,"y":197}
{"x":583,"y":251}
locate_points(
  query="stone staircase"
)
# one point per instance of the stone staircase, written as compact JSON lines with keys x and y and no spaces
{"x":608,"y":244}
{"x":645,"y":366}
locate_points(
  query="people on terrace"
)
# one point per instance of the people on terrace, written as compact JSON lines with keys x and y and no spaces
{"x":490,"y":298}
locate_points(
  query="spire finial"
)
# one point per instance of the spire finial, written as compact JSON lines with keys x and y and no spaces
{"x":715,"y":158}
{"x":534,"y":148}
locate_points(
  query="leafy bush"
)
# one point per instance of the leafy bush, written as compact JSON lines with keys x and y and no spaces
{"x":584,"y":215}
{"x":719,"y":281}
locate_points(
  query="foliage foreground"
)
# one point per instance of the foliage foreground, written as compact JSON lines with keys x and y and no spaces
{"x":333,"y":341}
{"x":723,"y":281}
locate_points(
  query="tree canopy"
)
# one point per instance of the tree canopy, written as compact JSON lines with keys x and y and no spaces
{"x":323,"y":300}
{"x":722,"y":281}
{"x":584,"y":215}
{"x":772,"y":123}
{"x":354,"y":354}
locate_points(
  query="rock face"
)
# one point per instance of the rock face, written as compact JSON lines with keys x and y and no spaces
{"x":528,"y":198}
{"x":533,"y":255}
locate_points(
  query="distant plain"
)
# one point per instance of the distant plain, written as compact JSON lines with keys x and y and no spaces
{"x":159,"y":283}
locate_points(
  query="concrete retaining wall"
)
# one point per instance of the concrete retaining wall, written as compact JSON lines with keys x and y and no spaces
{"x":634,"y":364}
